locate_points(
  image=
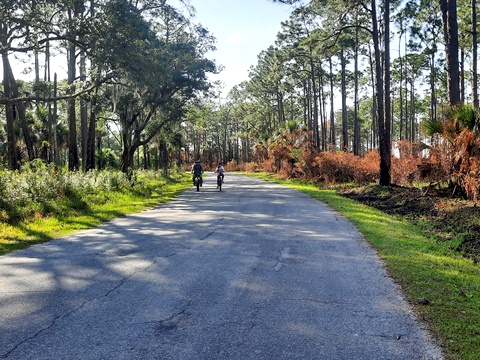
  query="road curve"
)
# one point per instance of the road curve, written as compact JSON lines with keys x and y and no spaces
{"x":257,"y":271}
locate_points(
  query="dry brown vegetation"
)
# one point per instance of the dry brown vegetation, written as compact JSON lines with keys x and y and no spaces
{"x":439,"y":191}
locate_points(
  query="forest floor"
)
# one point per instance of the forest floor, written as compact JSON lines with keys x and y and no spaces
{"x":443,"y":216}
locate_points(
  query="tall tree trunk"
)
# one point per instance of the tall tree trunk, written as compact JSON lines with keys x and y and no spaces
{"x":400,"y":96}
{"x":388,"y":113}
{"x":309,"y":107}
{"x":305,"y":104}
{"x":91,"y":133}
{"x":83,"y":112}
{"x":412,"y":111}
{"x":356,"y":126}
{"x":474,"y":54}
{"x":383,"y":134}
{"x":280,"y":109}
{"x":344,"y":103}
{"x":323,"y":113}
{"x":73,"y":157}
{"x":433,"y":96}
{"x":98,"y":149}
{"x":450,"y":32}
{"x":12,"y":151}
{"x":332,"y":112}
{"x":37,"y":68}
{"x":126,"y":161}
{"x":73,"y":160}
{"x":385,"y":177}
{"x":224,"y":141}
{"x":315,"y":103}
{"x":164,"y":156}
{"x":47,"y":78}
{"x":375,"y":112}
{"x":462,"y":75}
{"x":404,"y":100}
{"x":91,"y":127}
{"x":56,"y":153}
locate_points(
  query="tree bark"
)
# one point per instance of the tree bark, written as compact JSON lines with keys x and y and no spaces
{"x":385,"y":177}
{"x":356,"y":126}
{"x":450,"y":32}
{"x":323,"y":112}
{"x":474,"y":54}
{"x":433,"y":96}
{"x":462,"y":75}
{"x":315,"y":103}
{"x":84,"y":115}
{"x":56,"y":154}
{"x":400,"y":96}
{"x":73,"y":159}
{"x":12,"y":153}
{"x":374,"y":132}
{"x":91,"y":133}
{"x":385,"y":159}
{"x":344,"y":103}
{"x":332,"y":112}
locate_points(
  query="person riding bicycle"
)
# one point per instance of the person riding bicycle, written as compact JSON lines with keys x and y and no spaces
{"x":220,"y":170}
{"x":197,"y":171}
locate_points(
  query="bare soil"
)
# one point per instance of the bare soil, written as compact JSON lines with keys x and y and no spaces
{"x":436,"y":210}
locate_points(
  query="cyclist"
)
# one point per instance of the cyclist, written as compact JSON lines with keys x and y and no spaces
{"x":197,"y":171}
{"x":220,"y":170}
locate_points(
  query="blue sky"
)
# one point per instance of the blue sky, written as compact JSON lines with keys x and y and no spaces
{"x":243,"y":29}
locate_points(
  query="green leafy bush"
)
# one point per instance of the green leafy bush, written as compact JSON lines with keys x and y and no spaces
{"x":40,"y":189}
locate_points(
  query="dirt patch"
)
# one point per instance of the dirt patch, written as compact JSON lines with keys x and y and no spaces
{"x":446,"y":217}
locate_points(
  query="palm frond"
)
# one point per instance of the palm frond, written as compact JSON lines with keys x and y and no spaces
{"x":465,"y":116}
{"x":432,"y":127}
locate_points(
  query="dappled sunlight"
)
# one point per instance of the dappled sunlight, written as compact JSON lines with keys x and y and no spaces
{"x":18,"y":275}
{"x":257,"y":289}
{"x":248,"y":258}
{"x":12,"y":310}
{"x":76,"y":282}
{"x":128,"y":266}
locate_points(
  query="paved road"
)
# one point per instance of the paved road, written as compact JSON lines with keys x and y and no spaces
{"x":257,"y":271}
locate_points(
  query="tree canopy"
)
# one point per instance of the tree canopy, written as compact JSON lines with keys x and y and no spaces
{"x":354,"y":76}
{"x":134,"y":65}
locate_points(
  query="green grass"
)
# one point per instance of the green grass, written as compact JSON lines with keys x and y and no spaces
{"x":75,"y":213}
{"x":422,"y":266}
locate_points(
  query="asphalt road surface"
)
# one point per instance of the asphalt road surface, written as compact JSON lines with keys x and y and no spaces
{"x":257,"y":271}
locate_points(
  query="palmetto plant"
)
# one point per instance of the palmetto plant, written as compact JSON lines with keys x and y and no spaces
{"x":460,"y":128}
{"x":455,"y":120}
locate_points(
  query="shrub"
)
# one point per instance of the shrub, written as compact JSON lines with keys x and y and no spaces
{"x":458,"y":130}
{"x":40,"y":189}
{"x":291,"y":154}
{"x":246,"y":167}
{"x":405,"y":170}
{"x":341,"y":167}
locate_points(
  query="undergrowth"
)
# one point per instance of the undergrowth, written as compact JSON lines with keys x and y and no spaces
{"x":42,"y":202}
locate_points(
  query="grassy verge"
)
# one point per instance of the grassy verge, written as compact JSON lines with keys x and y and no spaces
{"x":422,"y":266}
{"x":73,"y":213}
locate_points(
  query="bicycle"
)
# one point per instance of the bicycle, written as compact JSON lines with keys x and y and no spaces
{"x":197,"y":181}
{"x":219,"y":182}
